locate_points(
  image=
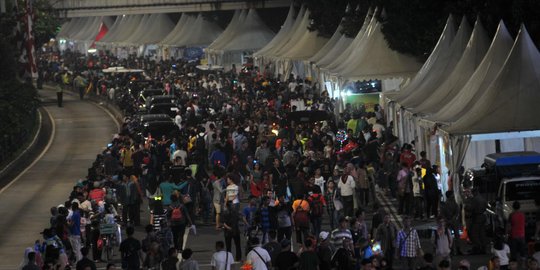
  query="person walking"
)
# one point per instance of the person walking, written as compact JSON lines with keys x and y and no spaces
{"x":346,"y":186}
{"x":130,"y":251}
{"x":221,"y":259}
{"x":451,"y":213}
{"x":516,"y":231}
{"x":59,"y":93}
{"x":443,"y":241}
{"x":179,"y":220}
{"x":231,"y":230}
{"x":300,"y":217}
{"x":258,"y":256}
{"x":75,"y":230}
{"x":385,"y":234}
{"x":408,"y":245}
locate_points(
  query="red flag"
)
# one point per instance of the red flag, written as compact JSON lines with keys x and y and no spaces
{"x":28,"y":53}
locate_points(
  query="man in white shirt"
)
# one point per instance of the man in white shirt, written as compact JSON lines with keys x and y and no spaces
{"x":346,"y":185}
{"x":221,"y":260}
{"x":258,"y":256}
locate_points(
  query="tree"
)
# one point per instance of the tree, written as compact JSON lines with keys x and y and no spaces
{"x":47,"y":22}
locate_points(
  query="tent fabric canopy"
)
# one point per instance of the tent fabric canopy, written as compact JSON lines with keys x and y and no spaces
{"x":378,"y":61}
{"x":306,"y":46}
{"x":298,"y":28}
{"x":347,"y":53}
{"x":281,"y":36}
{"x":442,"y":69}
{"x":90,"y":31}
{"x":184,"y":30}
{"x":141,"y":30}
{"x":129,"y":24}
{"x":177,"y":28}
{"x":480,"y":79}
{"x":202,"y":33}
{"x":251,"y":34}
{"x":510,"y":103}
{"x":228,"y":33}
{"x":471,"y":58}
{"x":438,"y":57}
{"x":158,"y":26}
{"x":331,"y":42}
{"x":113,"y":30}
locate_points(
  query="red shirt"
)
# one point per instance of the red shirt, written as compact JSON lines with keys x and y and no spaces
{"x":517,"y":225}
{"x":97,"y":195}
{"x":408,"y":157}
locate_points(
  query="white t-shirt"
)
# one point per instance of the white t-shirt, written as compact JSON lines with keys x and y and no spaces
{"x":502,"y":254}
{"x":256,"y":261}
{"x":347,"y":188}
{"x":232,"y":191}
{"x":219,"y":258}
{"x":320,"y":182}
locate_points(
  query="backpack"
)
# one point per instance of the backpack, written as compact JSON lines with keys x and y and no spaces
{"x":176,"y":215}
{"x":316,"y":206}
{"x":200,"y":143}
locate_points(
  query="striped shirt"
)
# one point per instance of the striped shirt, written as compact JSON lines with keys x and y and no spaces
{"x":338,"y":235}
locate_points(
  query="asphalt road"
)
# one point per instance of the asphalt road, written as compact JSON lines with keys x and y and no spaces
{"x":81,"y":129}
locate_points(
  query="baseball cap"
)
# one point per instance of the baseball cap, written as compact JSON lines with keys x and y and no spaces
{"x":323,"y":235}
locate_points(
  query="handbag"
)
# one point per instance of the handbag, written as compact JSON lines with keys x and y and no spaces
{"x":338,"y":205}
{"x":186,"y":198}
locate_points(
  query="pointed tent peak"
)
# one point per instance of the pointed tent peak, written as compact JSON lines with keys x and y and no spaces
{"x":526,"y":45}
{"x":348,"y":8}
{"x":383,"y":13}
{"x":358,"y":8}
{"x":478,"y":31}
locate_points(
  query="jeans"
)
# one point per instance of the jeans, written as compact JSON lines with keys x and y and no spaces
{"x":348,"y":205}
{"x":333,"y":216}
{"x":228,"y":244}
{"x":316,"y":223}
{"x":301,"y":235}
{"x":284,"y":233}
{"x":178,"y":235}
{"x":75,"y":241}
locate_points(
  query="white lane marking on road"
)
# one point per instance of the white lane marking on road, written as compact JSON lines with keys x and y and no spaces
{"x":49,"y":143}
{"x":30,"y":145}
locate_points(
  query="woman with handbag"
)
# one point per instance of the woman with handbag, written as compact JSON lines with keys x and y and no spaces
{"x":334,"y":204}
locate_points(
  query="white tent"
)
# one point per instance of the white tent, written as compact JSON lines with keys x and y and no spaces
{"x":438,"y":57}
{"x":227,"y":34}
{"x":472,"y":56}
{"x":159,"y":26}
{"x":142,"y":29}
{"x":91,"y":28}
{"x":442,"y":69}
{"x":184,"y":30}
{"x":80,"y":24}
{"x":480,"y":79}
{"x":510,"y":103}
{"x":177,"y":28}
{"x":280,"y":37}
{"x":128,"y":27}
{"x":378,"y":61}
{"x":345,"y":55}
{"x":300,"y":27}
{"x":252,"y":34}
{"x":117,"y":26}
{"x":291,"y":34}
{"x":334,"y":39}
{"x":202,"y":33}
{"x":67,"y":27}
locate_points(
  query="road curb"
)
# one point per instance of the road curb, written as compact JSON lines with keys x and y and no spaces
{"x":41,"y":138}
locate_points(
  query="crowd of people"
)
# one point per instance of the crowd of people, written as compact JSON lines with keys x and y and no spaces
{"x":238,"y":161}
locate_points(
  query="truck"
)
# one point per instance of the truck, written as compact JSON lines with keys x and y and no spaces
{"x":503,"y":179}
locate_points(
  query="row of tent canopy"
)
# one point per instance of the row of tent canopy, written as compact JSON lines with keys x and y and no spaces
{"x":474,"y":89}
{"x":366,"y":56}
{"x":293,"y":49}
